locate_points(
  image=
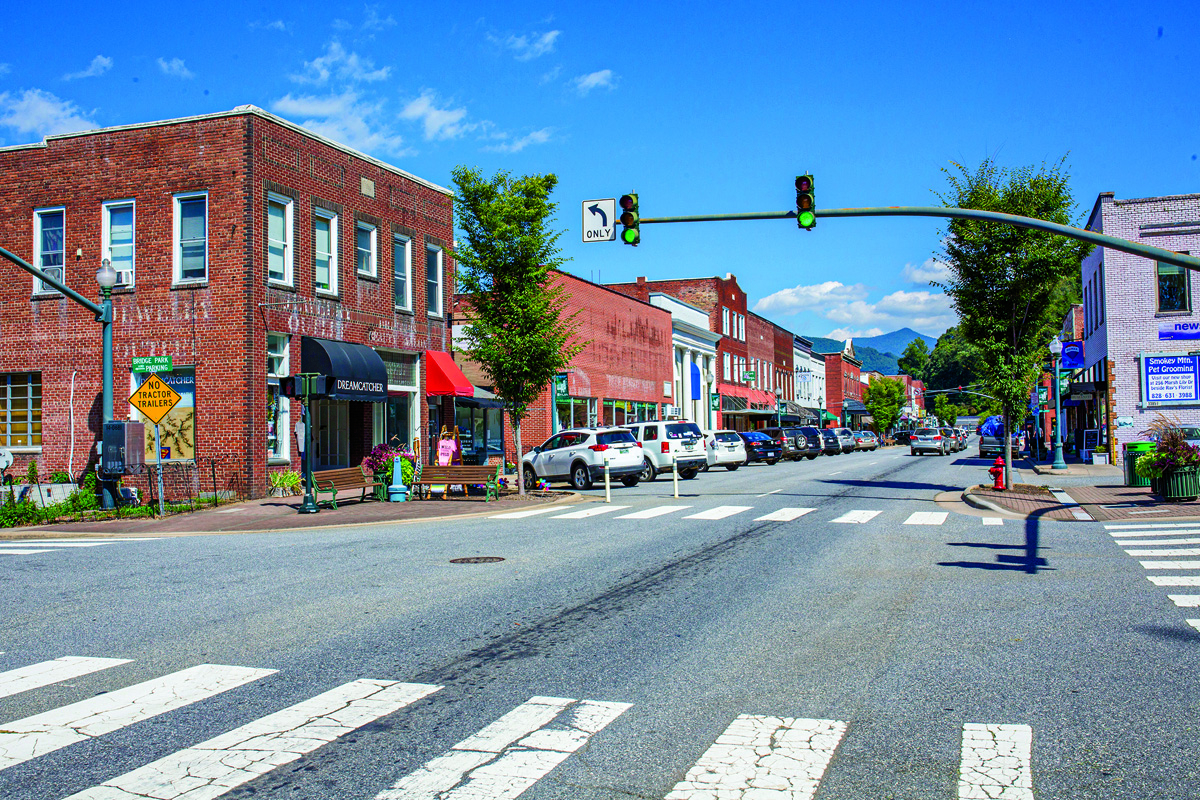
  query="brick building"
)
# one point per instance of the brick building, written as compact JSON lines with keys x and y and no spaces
{"x":843,"y":387}
{"x":624,"y":373}
{"x":247,"y":249}
{"x":748,"y":345}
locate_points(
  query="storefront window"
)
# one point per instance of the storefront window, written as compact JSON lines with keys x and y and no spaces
{"x":395,"y":420}
{"x":278,"y":441}
{"x":480,"y":432}
{"x":577,"y":412}
{"x":177,"y":429}
{"x":21,"y":409}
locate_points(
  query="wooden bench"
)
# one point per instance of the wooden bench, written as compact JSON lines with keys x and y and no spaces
{"x":336,"y":480}
{"x":433,"y":475}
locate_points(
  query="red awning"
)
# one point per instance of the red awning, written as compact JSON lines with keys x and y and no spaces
{"x":444,"y":378}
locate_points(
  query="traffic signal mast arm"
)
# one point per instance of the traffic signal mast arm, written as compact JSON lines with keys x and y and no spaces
{"x":1111,"y":242}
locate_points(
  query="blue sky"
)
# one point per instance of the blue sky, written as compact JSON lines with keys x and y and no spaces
{"x":700,"y":107}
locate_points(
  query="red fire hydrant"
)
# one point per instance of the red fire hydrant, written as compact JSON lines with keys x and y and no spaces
{"x":997,"y":473}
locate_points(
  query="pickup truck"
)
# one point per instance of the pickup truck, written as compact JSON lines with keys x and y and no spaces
{"x":994,"y":445}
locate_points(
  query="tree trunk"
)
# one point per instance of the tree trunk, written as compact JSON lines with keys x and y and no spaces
{"x":516,"y":423}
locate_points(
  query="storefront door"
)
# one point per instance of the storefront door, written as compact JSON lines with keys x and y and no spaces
{"x":332,"y":433}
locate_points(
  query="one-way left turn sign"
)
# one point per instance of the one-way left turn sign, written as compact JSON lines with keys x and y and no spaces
{"x":600,"y":220}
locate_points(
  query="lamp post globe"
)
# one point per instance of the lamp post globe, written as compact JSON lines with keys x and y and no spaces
{"x":106,"y":276}
{"x":1056,"y":348}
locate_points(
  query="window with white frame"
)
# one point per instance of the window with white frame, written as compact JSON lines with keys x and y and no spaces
{"x":726,"y":373}
{"x":724,"y":321}
{"x":21,"y":409}
{"x":402,"y":272}
{"x":191,"y":237}
{"x":49,"y":246}
{"x":741,"y":327}
{"x":364,"y":247}
{"x":325,"y":266}
{"x":278,"y":408}
{"x":280,"y":238}
{"x":117,"y":236}
{"x":433,"y":280}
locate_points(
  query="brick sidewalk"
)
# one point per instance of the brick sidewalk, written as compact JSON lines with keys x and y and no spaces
{"x":1128,"y":503}
{"x":1042,"y":506}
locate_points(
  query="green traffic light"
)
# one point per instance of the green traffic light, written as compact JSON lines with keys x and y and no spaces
{"x":630,"y":236}
{"x":807,"y":219}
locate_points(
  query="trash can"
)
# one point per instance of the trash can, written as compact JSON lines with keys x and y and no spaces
{"x":1133,"y":451}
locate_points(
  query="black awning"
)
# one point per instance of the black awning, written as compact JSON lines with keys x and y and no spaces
{"x":854,"y":406}
{"x":354,"y":371}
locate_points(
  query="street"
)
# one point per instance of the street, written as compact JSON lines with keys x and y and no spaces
{"x":814,"y":629}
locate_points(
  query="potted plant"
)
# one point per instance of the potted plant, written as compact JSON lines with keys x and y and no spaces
{"x":1172,"y":467}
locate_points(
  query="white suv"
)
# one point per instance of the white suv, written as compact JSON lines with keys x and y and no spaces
{"x":725,"y":449}
{"x":662,"y":440}
{"x":577,"y":456}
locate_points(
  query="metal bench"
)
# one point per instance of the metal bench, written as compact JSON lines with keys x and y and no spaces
{"x":336,"y":480}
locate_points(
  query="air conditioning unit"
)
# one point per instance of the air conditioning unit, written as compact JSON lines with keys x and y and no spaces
{"x":670,"y":411}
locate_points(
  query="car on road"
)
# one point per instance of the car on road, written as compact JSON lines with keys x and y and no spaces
{"x":865,"y":440}
{"x":760,"y":447}
{"x":577,"y":456}
{"x":831,"y":445}
{"x":666,"y":442}
{"x":955,"y":443}
{"x":812,"y":442}
{"x":928,"y":440}
{"x":901,"y":437}
{"x":724,"y":449}
{"x":794,"y":443}
{"x":846,"y":438}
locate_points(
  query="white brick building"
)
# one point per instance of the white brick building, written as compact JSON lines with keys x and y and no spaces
{"x":1132,"y":308}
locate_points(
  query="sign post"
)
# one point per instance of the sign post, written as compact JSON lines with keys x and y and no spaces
{"x":155,"y":399}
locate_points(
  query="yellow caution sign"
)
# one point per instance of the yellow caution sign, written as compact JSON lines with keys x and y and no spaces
{"x":154,"y":399}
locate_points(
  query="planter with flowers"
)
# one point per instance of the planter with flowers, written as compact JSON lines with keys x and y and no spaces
{"x":381,"y":462}
{"x":1172,"y":467}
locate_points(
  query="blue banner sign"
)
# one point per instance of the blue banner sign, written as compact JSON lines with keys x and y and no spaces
{"x":1170,"y":379}
{"x":1072,"y":355}
{"x":1169,"y":331}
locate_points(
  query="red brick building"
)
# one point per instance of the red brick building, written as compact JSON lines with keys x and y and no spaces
{"x":622,"y":375}
{"x":748,"y":344}
{"x":247,"y":249}
{"x":843,"y":387}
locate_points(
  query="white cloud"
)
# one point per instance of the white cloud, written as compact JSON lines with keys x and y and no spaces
{"x":517,"y":145}
{"x":41,"y":114}
{"x":842,"y":334}
{"x":99,"y":66}
{"x":552,"y":75}
{"x":931,"y":269}
{"x":374,"y":22}
{"x":341,"y":25}
{"x":817,"y":297}
{"x":531,"y":46}
{"x":848,"y":306}
{"x":5,"y":69}
{"x":175,"y":68}
{"x":346,"y":118}
{"x":440,"y":123}
{"x":595,"y":80}
{"x":337,"y":63}
{"x":276,"y":25}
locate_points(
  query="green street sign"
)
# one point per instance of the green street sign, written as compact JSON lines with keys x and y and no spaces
{"x":749,"y":375}
{"x":151,"y":363}
{"x":714,"y":402}
{"x":560,"y":384}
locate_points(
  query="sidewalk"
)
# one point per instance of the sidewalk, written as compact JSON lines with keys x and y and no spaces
{"x":280,"y":513}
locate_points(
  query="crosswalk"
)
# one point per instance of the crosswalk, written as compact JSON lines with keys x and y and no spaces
{"x":756,"y":755}
{"x":1165,"y":546}
{"x":786,"y":514}
{"x":29,"y":547}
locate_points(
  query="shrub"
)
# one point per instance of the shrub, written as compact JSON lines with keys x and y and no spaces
{"x":60,"y":476}
{"x":285,"y":479}
{"x":379,"y":462}
{"x":1171,"y":452}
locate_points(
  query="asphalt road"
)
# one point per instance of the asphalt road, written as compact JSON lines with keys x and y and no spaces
{"x":615,"y":656}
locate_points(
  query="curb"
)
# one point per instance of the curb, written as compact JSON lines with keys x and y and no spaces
{"x":975,"y":501}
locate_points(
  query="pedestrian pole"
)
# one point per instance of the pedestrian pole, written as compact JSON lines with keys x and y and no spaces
{"x":607,"y":485}
{"x":158,"y":449}
{"x":675,"y":474}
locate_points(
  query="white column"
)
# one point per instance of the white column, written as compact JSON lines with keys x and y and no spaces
{"x":687,"y":408}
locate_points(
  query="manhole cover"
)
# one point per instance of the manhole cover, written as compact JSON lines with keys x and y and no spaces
{"x":476,"y":560}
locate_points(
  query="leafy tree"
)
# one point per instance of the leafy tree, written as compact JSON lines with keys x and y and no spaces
{"x":516,"y":330}
{"x":913,"y":359}
{"x":953,"y":362}
{"x":946,"y":411}
{"x":884,"y":397}
{"x":1002,"y":277}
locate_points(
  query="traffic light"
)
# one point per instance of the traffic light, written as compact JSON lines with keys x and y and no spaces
{"x":630,"y":233}
{"x":806,"y":204}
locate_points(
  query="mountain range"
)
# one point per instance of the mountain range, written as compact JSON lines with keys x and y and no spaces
{"x":876,"y":352}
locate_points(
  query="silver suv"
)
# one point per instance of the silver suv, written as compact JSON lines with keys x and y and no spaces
{"x":577,"y":456}
{"x":663,"y":440}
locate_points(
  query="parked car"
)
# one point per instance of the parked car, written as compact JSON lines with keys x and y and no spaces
{"x":865,"y":440}
{"x":724,"y":449}
{"x":846,"y":437}
{"x":831,"y":445}
{"x":927,"y":440}
{"x":577,"y":456}
{"x":811,"y":439}
{"x":954,"y":444}
{"x":661,"y":441}
{"x":795,"y":446}
{"x":760,"y":447}
{"x":901,"y":437}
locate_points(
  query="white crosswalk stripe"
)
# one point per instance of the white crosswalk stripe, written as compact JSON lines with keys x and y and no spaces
{"x":46,"y":673}
{"x":1155,"y":542}
{"x":1171,"y":564}
{"x":28,"y":547}
{"x":993,"y":520}
{"x":926,"y":518}
{"x":510,"y":755}
{"x":1195,"y":623}
{"x":768,"y":757}
{"x":212,"y":768}
{"x":1185,"y":600}
{"x":1174,"y":580}
{"x":995,"y":762}
{"x":1125,"y":526}
{"x":784,"y":515}
{"x":591,"y":511}
{"x":720,"y":512}
{"x":857,"y":517}
{"x":531,"y":512}
{"x":1182,"y":551}
{"x":651,"y":513}
{"x":1151,"y":534}
{"x":43,"y":733}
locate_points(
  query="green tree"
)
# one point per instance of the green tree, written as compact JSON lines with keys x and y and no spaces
{"x":884,"y":397}
{"x":516,"y":329}
{"x":1002,"y":277}
{"x":946,"y":411}
{"x":913,"y":359}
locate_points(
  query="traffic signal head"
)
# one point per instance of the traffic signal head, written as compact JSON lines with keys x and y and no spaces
{"x":631,"y":222}
{"x":806,"y":204}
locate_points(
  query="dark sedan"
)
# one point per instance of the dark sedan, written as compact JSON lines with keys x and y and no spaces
{"x":760,"y":447}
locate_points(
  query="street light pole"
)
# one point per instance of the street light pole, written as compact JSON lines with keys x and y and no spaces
{"x":1056,"y":348}
{"x":106,"y":277}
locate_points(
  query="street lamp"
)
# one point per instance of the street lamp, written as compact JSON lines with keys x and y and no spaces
{"x":106,"y":277}
{"x":1056,"y":348}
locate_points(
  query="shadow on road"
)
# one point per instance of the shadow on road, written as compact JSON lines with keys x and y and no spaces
{"x":1028,"y":562}
{"x":1175,"y":632}
{"x":937,"y":487}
